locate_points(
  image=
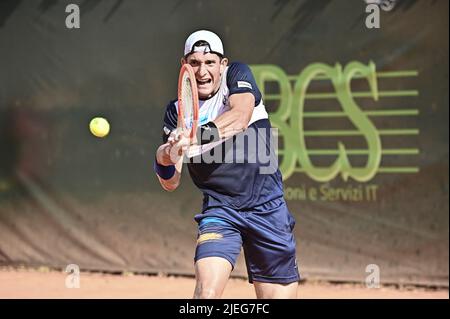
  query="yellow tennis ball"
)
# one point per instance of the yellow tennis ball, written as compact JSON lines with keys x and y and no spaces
{"x":99,"y":126}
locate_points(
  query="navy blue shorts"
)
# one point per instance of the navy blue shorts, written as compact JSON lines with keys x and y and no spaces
{"x":265,"y":232}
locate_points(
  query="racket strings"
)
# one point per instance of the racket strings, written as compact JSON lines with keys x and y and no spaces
{"x":188,"y":103}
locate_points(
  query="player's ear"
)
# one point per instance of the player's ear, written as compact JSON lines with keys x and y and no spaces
{"x":223,"y":64}
{"x":183,"y":61}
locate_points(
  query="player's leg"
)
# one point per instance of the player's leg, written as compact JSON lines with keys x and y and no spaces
{"x":211,"y":275}
{"x":270,"y":251}
{"x":218,"y":246}
{"x":265,"y":290}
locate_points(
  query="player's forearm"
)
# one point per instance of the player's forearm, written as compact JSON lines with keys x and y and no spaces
{"x":168,"y":172}
{"x":237,"y":118}
{"x":173,"y":182}
{"x":170,"y":184}
{"x":232,"y":122}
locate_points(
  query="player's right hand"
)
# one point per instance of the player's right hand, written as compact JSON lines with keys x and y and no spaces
{"x":171,"y":152}
{"x":165,"y":155}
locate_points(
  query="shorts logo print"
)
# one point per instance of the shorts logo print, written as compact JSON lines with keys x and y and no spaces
{"x":208,"y":236}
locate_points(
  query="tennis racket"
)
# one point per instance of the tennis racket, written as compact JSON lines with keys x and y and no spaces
{"x":187,"y":103}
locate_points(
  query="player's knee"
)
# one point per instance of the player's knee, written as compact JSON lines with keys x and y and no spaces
{"x":208,"y":294}
{"x":202,"y":292}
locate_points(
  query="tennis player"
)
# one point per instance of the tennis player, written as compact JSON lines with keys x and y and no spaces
{"x":242,"y":207}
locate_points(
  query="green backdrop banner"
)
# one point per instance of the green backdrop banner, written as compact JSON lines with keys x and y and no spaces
{"x":358,"y":95}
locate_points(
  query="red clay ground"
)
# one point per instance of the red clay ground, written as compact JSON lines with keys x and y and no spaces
{"x":25,"y":283}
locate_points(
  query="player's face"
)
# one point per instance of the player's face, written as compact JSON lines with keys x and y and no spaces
{"x":208,"y":68}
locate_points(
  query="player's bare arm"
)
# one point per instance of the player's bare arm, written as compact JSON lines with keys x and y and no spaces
{"x":237,"y":118}
{"x":170,"y":154}
{"x":163,"y":158}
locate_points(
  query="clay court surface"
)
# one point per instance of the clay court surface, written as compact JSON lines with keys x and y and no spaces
{"x":44,"y":283}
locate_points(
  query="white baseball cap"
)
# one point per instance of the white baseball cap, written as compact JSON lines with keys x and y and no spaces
{"x":215,"y":44}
